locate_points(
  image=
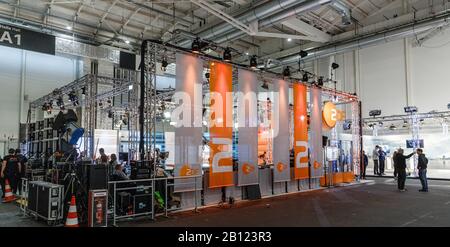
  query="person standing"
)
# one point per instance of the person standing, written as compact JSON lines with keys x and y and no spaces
{"x":23,"y":164}
{"x":381,"y":160}
{"x":394,"y":164}
{"x":375,"y":160}
{"x":400,"y":161}
{"x":366,"y":163}
{"x":103,"y":157}
{"x":422,"y":167}
{"x":10,"y":170}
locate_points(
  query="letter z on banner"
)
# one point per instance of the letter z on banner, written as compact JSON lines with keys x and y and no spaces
{"x":188,"y":119}
{"x":247,"y":128}
{"x":221,"y":126}
{"x":281,"y":154}
{"x":301,"y":168}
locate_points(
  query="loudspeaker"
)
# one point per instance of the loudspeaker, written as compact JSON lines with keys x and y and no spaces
{"x":96,"y":176}
{"x":59,"y":122}
{"x":324,"y":141}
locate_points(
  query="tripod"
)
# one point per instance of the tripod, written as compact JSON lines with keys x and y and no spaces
{"x":75,"y":187}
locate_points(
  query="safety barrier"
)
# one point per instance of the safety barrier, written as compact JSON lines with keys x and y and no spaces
{"x":143,"y":184}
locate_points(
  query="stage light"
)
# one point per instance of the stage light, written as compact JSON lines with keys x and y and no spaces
{"x":253,"y":62}
{"x":289,"y":39}
{"x":130,"y":87}
{"x":196,"y":46}
{"x":83,"y":90}
{"x":334,"y":66}
{"x":303,"y":53}
{"x":305,"y":77}
{"x":320,"y":81}
{"x":410,"y":109}
{"x":227,"y":55}
{"x":265,"y":85}
{"x":127,"y":42}
{"x":374,"y":113}
{"x":167,"y":115}
{"x":286,"y":72}
{"x":164,"y":64}
{"x":60,"y":102}
{"x":73,"y":98}
{"x":207,"y":75}
{"x":69,"y":28}
{"x":247,"y":53}
{"x":110,"y":114}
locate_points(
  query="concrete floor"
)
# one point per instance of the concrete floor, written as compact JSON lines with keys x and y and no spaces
{"x":376,"y":204}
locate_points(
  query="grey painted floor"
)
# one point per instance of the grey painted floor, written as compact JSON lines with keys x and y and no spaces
{"x":377,"y":204}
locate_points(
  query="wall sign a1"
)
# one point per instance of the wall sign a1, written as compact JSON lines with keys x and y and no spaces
{"x":15,"y":37}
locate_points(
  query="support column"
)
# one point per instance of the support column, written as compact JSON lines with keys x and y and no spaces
{"x":23,"y":73}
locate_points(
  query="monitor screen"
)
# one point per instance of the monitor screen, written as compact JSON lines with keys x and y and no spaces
{"x":410,"y":144}
{"x":123,"y":156}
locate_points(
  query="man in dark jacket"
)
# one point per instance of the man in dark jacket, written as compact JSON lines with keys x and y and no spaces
{"x":23,"y":164}
{"x":366,"y":163}
{"x":382,"y":160}
{"x":422,"y":167}
{"x":400,"y":162}
{"x":10,"y":170}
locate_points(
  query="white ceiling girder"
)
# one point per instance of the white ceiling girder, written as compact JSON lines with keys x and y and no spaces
{"x":313,"y":33}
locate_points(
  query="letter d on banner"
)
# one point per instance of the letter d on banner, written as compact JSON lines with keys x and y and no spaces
{"x":301,"y":169}
{"x":221,"y":136}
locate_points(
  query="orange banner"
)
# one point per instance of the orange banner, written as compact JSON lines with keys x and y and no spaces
{"x":221,"y":131}
{"x":300,"y":132}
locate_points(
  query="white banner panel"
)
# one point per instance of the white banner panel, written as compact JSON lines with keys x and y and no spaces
{"x":316,"y":148}
{"x":188,"y":131}
{"x":247,"y":128}
{"x":281,"y":145}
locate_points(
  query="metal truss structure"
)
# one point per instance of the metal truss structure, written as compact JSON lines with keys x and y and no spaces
{"x":90,"y":105}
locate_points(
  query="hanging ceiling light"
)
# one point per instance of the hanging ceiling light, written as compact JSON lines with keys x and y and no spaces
{"x":73,"y":98}
{"x":305,"y":77}
{"x":320,"y":81}
{"x":227,"y":55}
{"x":60,"y":102}
{"x":164,"y":64}
{"x":196,"y":45}
{"x":265,"y":85}
{"x":253,"y":62}
{"x":286,"y":72}
{"x":303,"y":54}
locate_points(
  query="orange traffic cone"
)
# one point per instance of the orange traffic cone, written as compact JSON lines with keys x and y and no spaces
{"x":9,"y":196}
{"x":72,"y":216}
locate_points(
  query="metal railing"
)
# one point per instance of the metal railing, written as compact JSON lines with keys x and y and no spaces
{"x":151,"y":186}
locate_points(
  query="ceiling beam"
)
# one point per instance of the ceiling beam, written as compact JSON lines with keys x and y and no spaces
{"x":103,"y":17}
{"x":313,"y":33}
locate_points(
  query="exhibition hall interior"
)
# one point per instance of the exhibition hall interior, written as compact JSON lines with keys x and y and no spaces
{"x":201,"y":113}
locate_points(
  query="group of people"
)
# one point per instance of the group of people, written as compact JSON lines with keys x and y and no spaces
{"x":13,"y":168}
{"x":379,"y":160}
{"x":112,"y":162}
{"x":400,"y":167}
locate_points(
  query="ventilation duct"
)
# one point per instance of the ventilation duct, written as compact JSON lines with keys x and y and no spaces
{"x":370,"y":40}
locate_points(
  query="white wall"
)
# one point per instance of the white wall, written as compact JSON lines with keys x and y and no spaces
{"x":396,"y":74}
{"x":26,"y":76}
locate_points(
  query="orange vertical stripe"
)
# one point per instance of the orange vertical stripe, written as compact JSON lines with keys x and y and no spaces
{"x":300,"y":132}
{"x":221,"y":82}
